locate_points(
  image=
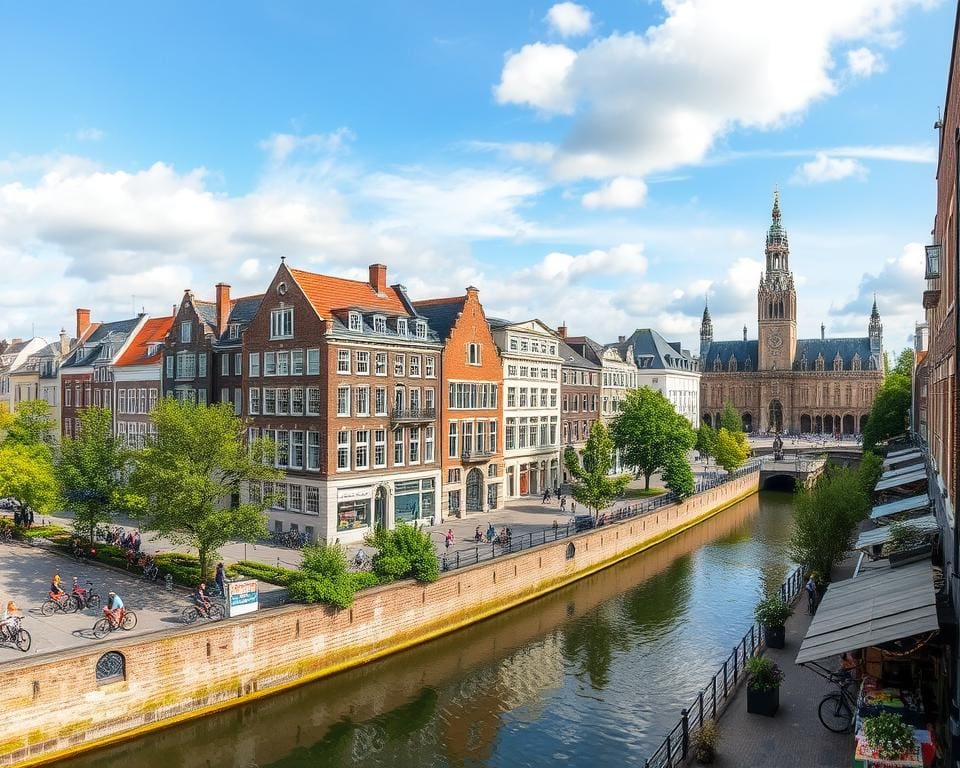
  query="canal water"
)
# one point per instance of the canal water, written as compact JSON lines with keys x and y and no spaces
{"x":593,"y":674}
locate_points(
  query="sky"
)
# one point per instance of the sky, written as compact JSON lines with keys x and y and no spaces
{"x":607,"y":165}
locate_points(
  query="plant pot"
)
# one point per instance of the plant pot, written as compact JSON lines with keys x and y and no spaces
{"x":914,"y":555}
{"x":774,"y":637}
{"x":763,"y":702}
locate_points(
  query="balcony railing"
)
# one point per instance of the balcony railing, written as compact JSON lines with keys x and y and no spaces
{"x":931,"y":296}
{"x":413,"y":415}
{"x":470,"y":456}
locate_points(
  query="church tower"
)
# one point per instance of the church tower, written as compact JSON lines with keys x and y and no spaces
{"x":777,"y":300}
{"x":875,"y":331}
{"x":706,"y":334}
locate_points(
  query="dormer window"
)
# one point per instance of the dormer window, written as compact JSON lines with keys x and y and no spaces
{"x":421,"y":329}
{"x":152,"y":348}
{"x":401,"y":326}
{"x":356,"y":322}
{"x":717,"y":365}
{"x":748,"y":364}
{"x":804,"y":363}
{"x":379,"y":324}
{"x":820,"y":362}
{"x":234,"y":331}
{"x":732,"y":364}
{"x":856,"y":362}
{"x":838,"y":363}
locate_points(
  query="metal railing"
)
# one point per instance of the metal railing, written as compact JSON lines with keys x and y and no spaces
{"x":413,"y":414}
{"x":489,"y":550}
{"x":712,"y":699}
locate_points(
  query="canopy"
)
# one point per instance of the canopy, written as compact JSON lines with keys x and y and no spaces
{"x":901,"y":451}
{"x":909,"y":504}
{"x":877,"y":606}
{"x":871,"y":538}
{"x":897,"y":471}
{"x":901,"y":458}
{"x":895,"y":481}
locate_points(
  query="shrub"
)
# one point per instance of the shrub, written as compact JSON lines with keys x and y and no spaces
{"x":705,"y":741}
{"x":772,"y":611}
{"x":904,"y":536}
{"x":323,"y":577}
{"x":870,"y":469}
{"x":269,"y":573}
{"x":404,"y":553}
{"x":889,"y":736}
{"x":184,"y":568}
{"x":763,"y":674}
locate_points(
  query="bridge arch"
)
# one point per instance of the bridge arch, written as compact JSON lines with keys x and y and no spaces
{"x":779,"y":483}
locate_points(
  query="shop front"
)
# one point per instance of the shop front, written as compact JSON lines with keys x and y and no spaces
{"x":353,"y":508}
{"x":415,"y":500}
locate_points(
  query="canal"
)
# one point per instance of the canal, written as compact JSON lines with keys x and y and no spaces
{"x":592,"y":674}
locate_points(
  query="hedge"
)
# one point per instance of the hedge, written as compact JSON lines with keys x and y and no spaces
{"x":185,"y":568}
{"x":268,"y":573}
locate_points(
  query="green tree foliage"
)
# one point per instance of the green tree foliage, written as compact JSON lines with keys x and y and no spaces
{"x":729,"y":419}
{"x":593,"y":486}
{"x":191,"y":470}
{"x":92,"y":471}
{"x":904,"y":366}
{"x":404,"y":553}
{"x":730,"y":449}
{"x":324,"y":578}
{"x":26,"y":474}
{"x":649,"y":431}
{"x":888,"y":416}
{"x":826,"y":517}
{"x":678,"y":476}
{"x":30,"y":424}
{"x":871,"y":467}
{"x":706,"y":441}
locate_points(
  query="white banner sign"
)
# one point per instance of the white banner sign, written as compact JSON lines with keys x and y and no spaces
{"x":354,"y":494}
{"x":242,"y":597}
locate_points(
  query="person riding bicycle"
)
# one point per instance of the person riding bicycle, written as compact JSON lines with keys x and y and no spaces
{"x":360,"y":559}
{"x":56,"y":591}
{"x":113,"y":610}
{"x":78,"y":590}
{"x":8,"y":623}
{"x":201,"y":599}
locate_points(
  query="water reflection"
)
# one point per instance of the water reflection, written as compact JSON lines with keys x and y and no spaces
{"x":591,"y":674}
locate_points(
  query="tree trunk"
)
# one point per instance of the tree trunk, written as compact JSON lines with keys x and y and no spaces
{"x":646,"y":480}
{"x":202,"y":554}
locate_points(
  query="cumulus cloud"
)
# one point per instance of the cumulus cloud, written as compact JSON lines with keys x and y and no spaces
{"x":652,"y":101}
{"x":621,"y":192}
{"x":862,"y":62}
{"x":898,"y":287}
{"x":824,"y":168}
{"x":733,"y":295}
{"x":563,"y":268}
{"x":569,"y":19}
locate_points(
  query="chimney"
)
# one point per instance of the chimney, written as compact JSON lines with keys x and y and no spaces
{"x":473,"y":293}
{"x":621,"y":339}
{"x":744,"y":333}
{"x":64,"y":343}
{"x":83,"y":322}
{"x":823,"y":332}
{"x":562,"y":331}
{"x":378,"y":278}
{"x":223,"y":306}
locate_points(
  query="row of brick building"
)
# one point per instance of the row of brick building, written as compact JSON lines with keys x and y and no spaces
{"x":380,"y":408}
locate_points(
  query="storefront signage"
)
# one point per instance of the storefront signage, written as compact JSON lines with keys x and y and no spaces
{"x":353,"y":494}
{"x":242,"y":597}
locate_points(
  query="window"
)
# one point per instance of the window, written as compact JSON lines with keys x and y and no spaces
{"x":363,"y":363}
{"x":283,"y":447}
{"x":269,"y":402}
{"x":510,"y":435}
{"x":112,"y":667}
{"x":269,"y":363}
{"x":421,"y":329}
{"x":225,"y":364}
{"x":380,"y":401}
{"x":428,"y":367}
{"x":399,"y":365}
{"x":283,"y":363}
{"x":186,"y":365}
{"x":296,"y":449}
{"x":363,"y":401}
{"x":313,"y":362}
{"x":253,"y":364}
{"x":356,"y":322}
{"x":121,"y":400}
{"x":493,"y":437}
{"x":523,"y":397}
{"x":254,"y":401}
{"x":294,"y":499}
{"x":313,"y":401}
{"x":379,"y":324}
{"x":452,"y":450}
{"x":141,"y":400}
{"x":296,"y":401}
{"x":513,"y":344}
{"x":313,"y":450}
{"x":429,"y":398}
{"x":234,"y":331}
{"x":202,"y":364}
{"x":343,"y":401}
{"x":362,"y":449}
{"x":281,"y":323}
{"x":414,"y":445}
{"x":401,"y":326}
{"x":343,"y":450}
{"x":380,"y":448}
{"x":283,"y":402}
{"x":169,"y":363}
{"x":381,"y":364}
{"x":397,"y":447}
{"x":185,"y":333}
{"x":154,"y":393}
{"x":201,"y":397}
{"x":511,"y":397}
{"x":511,"y":370}
{"x":313,"y":501}
{"x":415,"y":365}
{"x":343,"y":361}
{"x":296,"y":362}
{"x":238,"y":363}
{"x":427,"y":445}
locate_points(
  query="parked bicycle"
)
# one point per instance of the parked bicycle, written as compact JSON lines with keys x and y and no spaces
{"x":292,"y":539}
{"x":104,"y":626}
{"x":193,"y":612}
{"x":836,"y":708}
{"x":150,"y":570}
{"x":63,"y":603}
{"x":16,"y":635}
{"x":85,"y":597}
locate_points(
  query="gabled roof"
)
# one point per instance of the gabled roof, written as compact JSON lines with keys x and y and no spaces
{"x":33,"y":363}
{"x":154,"y":330}
{"x":242,"y":311}
{"x":441,"y":314}
{"x":587,"y":347}
{"x":327,"y":293}
{"x":113,"y":334}
{"x":651,"y":350}
{"x":207,"y":310}
{"x":573,"y":359}
{"x":829,"y":348}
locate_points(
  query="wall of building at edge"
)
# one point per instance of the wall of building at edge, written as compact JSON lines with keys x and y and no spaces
{"x":54,"y":707}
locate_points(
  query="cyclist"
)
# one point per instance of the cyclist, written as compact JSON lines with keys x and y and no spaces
{"x":8,"y":624}
{"x":78,"y":590}
{"x":113,"y":610}
{"x":201,"y":599}
{"x":56,"y":591}
{"x":360,"y":559}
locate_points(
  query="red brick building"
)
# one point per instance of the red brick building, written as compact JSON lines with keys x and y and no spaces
{"x":343,"y":375}
{"x":137,"y":381}
{"x":471,"y":408}
{"x":579,"y":397}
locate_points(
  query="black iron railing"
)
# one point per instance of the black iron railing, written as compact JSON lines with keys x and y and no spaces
{"x":413,"y":414}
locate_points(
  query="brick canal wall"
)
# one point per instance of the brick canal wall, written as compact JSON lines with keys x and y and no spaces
{"x":53,"y":706}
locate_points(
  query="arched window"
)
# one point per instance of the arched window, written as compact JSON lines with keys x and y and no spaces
{"x":111,"y":668}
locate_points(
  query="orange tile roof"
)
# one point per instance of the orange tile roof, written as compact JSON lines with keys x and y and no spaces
{"x":328,"y":293}
{"x":434,"y":302}
{"x":154,"y":330}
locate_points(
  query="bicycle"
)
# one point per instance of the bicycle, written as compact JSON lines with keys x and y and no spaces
{"x":191,"y":613}
{"x":104,"y":626}
{"x":16,"y":635}
{"x":6,"y":534}
{"x":836,"y":708}
{"x":63,"y":603}
{"x":85,"y":598}
{"x":150,"y":571}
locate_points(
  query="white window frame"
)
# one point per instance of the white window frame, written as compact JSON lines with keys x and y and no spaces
{"x":355,"y":322}
{"x":253,"y":364}
{"x":281,"y":323}
{"x":343,"y":361}
{"x":185,"y":331}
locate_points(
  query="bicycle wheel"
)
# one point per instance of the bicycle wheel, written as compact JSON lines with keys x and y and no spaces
{"x":216,"y":612}
{"x":835,"y":713}
{"x":190,"y":614}
{"x":101,"y":628}
{"x":23,"y":640}
{"x":69,"y":605}
{"x":48,"y":607}
{"x":93,"y":601}
{"x":129,"y":620}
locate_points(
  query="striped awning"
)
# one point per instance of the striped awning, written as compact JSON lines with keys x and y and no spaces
{"x":889,"y":481}
{"x":900,"y":506}
{"x":901,"y":458}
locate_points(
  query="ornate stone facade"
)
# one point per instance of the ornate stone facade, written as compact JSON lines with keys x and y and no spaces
{"x":779,"y":382}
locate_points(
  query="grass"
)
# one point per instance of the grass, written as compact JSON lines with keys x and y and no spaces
{"x":643,"y":493}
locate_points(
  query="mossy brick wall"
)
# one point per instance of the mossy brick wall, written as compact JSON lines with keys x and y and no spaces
{"x":53,"y":705}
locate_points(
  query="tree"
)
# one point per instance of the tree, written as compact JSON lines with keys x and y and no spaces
{"x":92,"y":471}
{"x":706,"y":440}
{"x":593,"y":486}
{"x":869,"y":471}
{"x":192,"y":474}
{"x":729,"y":419}
{"x":648,"y":431}
{"x":678,"y":476}
{"x":403,"y":553}
{"x":904,"y":365}
{"x":30,"y":424}
{"x":888,"y":416}
{"x":730,"y":449}
{"x":324,"y":578}
{"x":26,"y":474}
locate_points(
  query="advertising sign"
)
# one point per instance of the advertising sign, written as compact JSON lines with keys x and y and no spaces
{"x":242,"y":597}
{"x":354,"y":494}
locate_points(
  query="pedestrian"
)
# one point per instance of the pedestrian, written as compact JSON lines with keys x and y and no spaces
{"x":449,"y":538}
{"x":811,"y":588}
{"x":30,"y":520}
{"x":220,"y":578}
{"x":573,"y":507}
{"x":555,"y":527}
{"x":491,"y":533}
{"x":557,"y":491}
{"x":563,"y":503}
{"x":478,"y":535}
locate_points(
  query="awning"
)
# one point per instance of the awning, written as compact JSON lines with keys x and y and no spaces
{"x":909,"y":504}
{"x":880,"y":605}
{"x":901,"y":451}
{"x":897,"y":471}
{"x":896,"y":481}
{"x":867,"y":539}
{"x":901,"y":458}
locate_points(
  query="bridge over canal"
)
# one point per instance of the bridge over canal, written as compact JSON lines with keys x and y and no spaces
{"x":791,"y":472}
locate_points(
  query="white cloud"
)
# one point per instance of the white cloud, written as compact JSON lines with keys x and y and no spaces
{"x":862,"y":62}
{"x":562,"y":268}
{"x":656,"y":100}
{"x":621,"y":192}
{"x":282,"y":145}
{"x":538,"y":76}
{"x":90,"y":134}
{"x":569,"y":19}
{"x":902,"y":153}
{"x":521,"y":151}
{"x":824,"y":168}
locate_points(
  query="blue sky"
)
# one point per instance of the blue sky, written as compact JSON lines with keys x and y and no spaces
{"x":603,"y":164}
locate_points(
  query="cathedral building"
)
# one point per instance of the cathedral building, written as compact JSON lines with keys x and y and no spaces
{"x":780,"y":383}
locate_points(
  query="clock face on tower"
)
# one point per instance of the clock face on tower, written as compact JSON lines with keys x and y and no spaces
{"x":775,"y":341}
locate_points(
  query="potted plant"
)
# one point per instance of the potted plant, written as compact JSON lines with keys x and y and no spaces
{"x":908,"y":544}
{"x":763,"y":686}
{"x":705,"y":742}
{"x":772,"y":613}
{"x":889,"y":737}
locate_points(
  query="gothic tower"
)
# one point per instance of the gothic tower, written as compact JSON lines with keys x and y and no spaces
{"x":777,"y":300}
{"x":875,"y":331}
{"x":706,"y":334}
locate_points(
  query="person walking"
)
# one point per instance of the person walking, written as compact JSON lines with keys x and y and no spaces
{"x":449,"y":538}
{"x":491,"y":533}
{"x":546,"y":495}
{"x":573,"y":507}
{"x":563,"y":503}
{"x":220,"y":578}
{"x":812,"y":595}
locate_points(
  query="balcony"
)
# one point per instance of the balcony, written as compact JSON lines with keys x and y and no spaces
{"x":469,"y":457}
{"x":412,"y":415}
{"x":931,"y":296}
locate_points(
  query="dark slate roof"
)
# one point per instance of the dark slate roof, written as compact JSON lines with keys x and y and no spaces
{"x":741,"y":349}
{"x":651,"y":350}
{"x":242,"y":313}
{"x":207,"y":311}
{"x":441,"y":314}
{"x":106,"y":333}
{"x":572,"y":359}
{"x":499,"y":322}
{"x":584,"y":345}
{"x":829,"y":349}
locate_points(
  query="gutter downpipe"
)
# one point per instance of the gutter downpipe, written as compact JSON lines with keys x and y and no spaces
{"x":955,"y":713}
